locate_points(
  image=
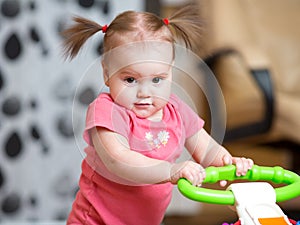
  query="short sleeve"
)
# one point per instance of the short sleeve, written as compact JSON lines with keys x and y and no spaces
{"x":191,"y":121}
{"x":103,"y":112}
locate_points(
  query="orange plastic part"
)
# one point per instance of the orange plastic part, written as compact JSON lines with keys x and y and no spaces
{"x":272,"y":221}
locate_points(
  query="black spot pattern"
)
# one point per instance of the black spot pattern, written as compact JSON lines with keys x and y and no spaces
{"x":10,"y":8}
{"x":86,"y":3}
{"x":32,"y":5}
{"x":34,"y":35}
{"x":2,"y":179}
{"x":14,"y":145}
{"x":99,"y":49}
{"x":1,"y":81}
{"x":37,"y":89}
{"x":11,"y":203}
{"x":87,"y":96}
{"x":33,"y":104}
{"x":64,"y":126}
{"x":35,"y":132}
{"x":11,"y":106}
{"x":13,"y":47}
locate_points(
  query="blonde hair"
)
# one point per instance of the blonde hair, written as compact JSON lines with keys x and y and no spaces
{"x":184,"y":26}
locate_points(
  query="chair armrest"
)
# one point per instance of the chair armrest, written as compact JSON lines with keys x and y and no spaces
{"x":263,"y":81}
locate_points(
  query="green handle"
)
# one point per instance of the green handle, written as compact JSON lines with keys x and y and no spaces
{"x":257,"y":173}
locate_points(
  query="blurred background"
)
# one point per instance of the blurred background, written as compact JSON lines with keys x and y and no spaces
{"x":251,"y":46}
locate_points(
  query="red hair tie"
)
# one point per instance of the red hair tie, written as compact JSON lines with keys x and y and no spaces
{"x":104,"y":28}
{"x":166,"y":21}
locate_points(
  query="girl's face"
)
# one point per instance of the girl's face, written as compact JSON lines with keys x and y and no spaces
{"x":143,"y":87}
{"x":139,"y":76}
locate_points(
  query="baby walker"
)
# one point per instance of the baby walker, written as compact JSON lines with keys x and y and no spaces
{"x":255,"y":202}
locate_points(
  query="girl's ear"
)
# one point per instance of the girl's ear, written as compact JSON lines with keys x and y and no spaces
{"x":105,"y":74}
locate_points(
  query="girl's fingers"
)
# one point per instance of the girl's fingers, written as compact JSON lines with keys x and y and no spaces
{"x":227,"y":160}
{"x":198,"y":174}
{"x":242,"y":165}
{"x":190,"y":170}
{"x":239,"y":167}
{"x":223,"y":183}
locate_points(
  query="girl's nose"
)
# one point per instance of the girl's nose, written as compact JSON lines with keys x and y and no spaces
{"x":143,"y":91}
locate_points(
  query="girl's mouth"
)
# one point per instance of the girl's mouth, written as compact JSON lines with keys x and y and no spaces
{"x":142,"y":105}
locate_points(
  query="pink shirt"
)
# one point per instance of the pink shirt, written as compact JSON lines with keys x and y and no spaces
{"x":114,"y":200}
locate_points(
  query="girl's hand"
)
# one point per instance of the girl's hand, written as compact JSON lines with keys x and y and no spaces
{"x":242,"y":166}
{"x":190,"y":170}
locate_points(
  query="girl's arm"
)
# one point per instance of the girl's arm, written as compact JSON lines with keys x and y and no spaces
{"x":206,"y":151}
{"x":119,"y":159}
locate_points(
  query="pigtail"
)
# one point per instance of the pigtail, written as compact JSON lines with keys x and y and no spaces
{"x":186,"y":25}
{"x":76,"y":35}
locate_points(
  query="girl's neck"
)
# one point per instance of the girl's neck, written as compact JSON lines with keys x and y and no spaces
{"x":156,"y":117}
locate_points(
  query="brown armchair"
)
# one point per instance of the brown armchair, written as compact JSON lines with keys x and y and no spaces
{"x":253,"y":48}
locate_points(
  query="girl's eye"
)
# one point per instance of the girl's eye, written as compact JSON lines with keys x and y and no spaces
{"x":130,"y":80}
{"x":156,"y":80}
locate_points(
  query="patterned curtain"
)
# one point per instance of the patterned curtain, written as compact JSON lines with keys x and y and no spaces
{"x":43,"y":101}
